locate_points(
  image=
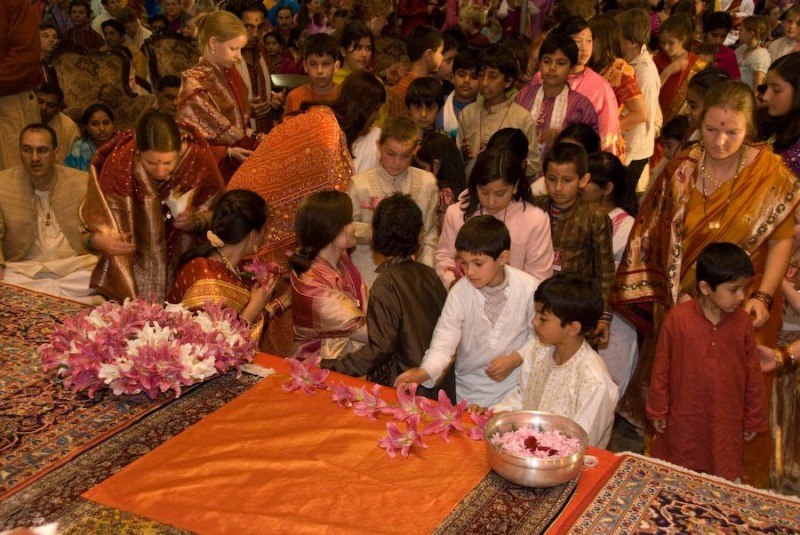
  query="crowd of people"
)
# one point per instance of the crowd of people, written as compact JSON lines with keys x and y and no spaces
{"x":579,"y":207}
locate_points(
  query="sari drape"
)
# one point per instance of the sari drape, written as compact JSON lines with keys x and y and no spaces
{"x":672,"y":229}
{"x":202,"y":280}
{"x":329,"y":304}
{"x":123,"y":198}
{"x":673,"y":92}
{"x":304,"y":154}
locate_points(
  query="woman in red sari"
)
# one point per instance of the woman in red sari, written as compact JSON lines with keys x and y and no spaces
{"x":213,"y":96}
{"x":211,"y":272}
{"x":150,"y":194}
{"x":724,"y":189}
{"x":329,"y":297}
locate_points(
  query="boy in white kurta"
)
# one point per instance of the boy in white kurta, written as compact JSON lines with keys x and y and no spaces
{"x":485,"y":320}
{"x":398,"y":143}
{"x":560,"y":373}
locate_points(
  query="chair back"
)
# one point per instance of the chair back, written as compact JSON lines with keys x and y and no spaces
{"x":169,"y":53}
{"x":87,"y":77}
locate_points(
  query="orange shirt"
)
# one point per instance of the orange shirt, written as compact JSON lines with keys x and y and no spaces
{"x":304,"y":93}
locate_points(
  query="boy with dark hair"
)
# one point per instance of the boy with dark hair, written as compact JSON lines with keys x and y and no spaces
{"x":404,"y":303}
{"x":425,"y":45}
{"x":552,"y":103}
{"x":485,"y":321}
{"x":81,"y":33}
{"x":445,"y":73}
{"x":497,"y":71}
{"x":320,"y":62}
{"x":560,"y":373}
{"x":51,"y":101}
{"x":581,"y":230}
{"x":465,"y":91}
{"x":424,"y":100}
{"x":706,"y":395}
{"x":167,"y":91}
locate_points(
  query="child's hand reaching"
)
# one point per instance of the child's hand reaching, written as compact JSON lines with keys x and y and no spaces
{"x":502,"y":366}
{"x":601,"y":334}
{"x":660,"y":425}
{"x":477,"y":409}
{"x":414,"y":375}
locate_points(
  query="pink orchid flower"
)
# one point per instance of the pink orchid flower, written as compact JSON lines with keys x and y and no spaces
{"x":263,"y":272}
{"x":371,"y":203}
{"x":305,"y":377}
{"x":344,"y":395}
{"x":445,"y":416}
{"x":399,"y":440}
{"x":370,"y":403}
{"x":476,"y":433}
{"x":407,"y":395}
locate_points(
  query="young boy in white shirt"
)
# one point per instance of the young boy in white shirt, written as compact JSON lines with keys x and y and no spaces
{"x":560,"y":373}
{"x":485,"y":320}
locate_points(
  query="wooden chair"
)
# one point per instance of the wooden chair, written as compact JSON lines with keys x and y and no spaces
{"x":169,"y":53}
{"x":87,"y":77}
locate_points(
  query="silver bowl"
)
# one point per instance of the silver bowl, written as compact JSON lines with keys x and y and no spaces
{"x":529,"y":471}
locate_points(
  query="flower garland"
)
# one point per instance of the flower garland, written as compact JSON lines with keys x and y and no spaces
{"x":139,"y":346}
{"x":442,"y":417}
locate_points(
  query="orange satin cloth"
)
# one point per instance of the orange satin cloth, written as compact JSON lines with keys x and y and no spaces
{"x":276,"y":462}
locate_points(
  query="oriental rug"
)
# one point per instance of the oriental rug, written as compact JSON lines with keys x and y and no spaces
{"x":497,"y":506}
{"x":644,"y":495}
{"x":43,"y":425}
{"x":56,"y":496}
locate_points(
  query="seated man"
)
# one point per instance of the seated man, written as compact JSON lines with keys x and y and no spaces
{"x":51,"y":101}
{"x":41,"y":245}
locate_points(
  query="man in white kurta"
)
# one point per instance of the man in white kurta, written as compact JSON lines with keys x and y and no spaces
{"x":465,"y":329}
{"x":41,"y":241}
{"x":580,"y":389}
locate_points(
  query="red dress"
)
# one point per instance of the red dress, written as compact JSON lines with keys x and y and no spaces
{"x":707,"y":384}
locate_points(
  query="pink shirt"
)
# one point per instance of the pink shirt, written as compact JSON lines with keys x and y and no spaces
{"x":531,"y":244}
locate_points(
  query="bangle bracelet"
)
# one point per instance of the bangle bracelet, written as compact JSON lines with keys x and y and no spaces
{"x":786,"y":359}
{"x":277,"y":306}
{"x":778,"y":358}
{"x":764,"y":297}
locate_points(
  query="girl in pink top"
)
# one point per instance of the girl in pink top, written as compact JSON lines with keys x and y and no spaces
{"x":498,"y":187}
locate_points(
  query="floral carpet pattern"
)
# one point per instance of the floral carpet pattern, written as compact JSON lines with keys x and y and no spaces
{"x":43,"y":425}
{"x":496,"y":506}
{"x":56,"y":496}
{"x":646,"y":495}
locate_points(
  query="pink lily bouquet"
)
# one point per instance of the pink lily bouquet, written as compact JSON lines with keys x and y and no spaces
{"x":144,"y":347}
{"x":263,"y":272}
{"x":404,"y":430}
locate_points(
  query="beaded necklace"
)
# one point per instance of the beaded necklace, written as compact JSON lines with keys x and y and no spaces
{"x":715,"y":225}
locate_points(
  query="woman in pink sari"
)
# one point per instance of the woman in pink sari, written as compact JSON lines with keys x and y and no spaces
{"x":329,"y":297}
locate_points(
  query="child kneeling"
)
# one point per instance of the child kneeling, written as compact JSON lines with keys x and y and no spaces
{"x":560,"y":372}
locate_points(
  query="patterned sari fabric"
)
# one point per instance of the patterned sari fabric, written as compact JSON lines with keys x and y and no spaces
{"x":214,"y":100}
{"x":329,"y":305}
{"x":672,"y":96}
{"x":671,"y":230}
{"x":201,"y":281}
{"x":304,"y":154}
{"x":123,"y":198}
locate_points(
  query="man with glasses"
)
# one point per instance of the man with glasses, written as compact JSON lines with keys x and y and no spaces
{"x":41,"y":242}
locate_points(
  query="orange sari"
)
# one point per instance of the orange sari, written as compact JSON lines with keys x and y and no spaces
{"x":304,"y":154}
{"x":670,"y":232}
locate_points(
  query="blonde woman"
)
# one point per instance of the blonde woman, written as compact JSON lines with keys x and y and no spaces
{"x":213,"y":96}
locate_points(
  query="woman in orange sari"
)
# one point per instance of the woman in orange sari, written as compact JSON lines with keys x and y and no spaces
{"x":213,"y":95}
{"x":306,"y":153}
{"x":211,"y":272}
{"x":722,"y":189}
{"x":150,"y":194}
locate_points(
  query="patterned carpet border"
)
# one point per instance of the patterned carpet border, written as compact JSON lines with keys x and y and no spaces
{"x":645,"y":495}
{"x":43,"y":425}
{"x":496,"y":506}
{"x":56,"y":496}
